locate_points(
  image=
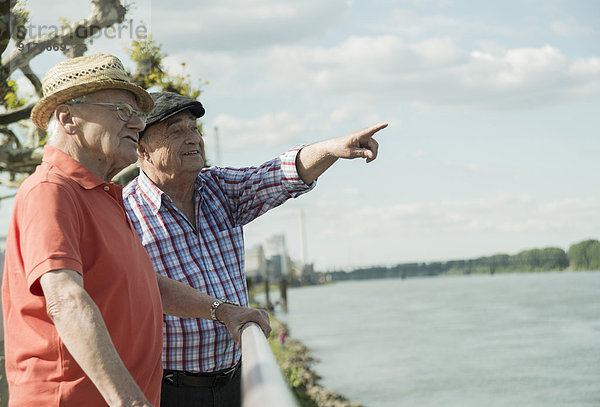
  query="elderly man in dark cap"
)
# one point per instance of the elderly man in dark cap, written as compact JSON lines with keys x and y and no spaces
{"x":82,"y":305}
{"x":190,"y":220}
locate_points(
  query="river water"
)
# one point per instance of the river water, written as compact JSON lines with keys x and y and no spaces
{"x":505,"y":340}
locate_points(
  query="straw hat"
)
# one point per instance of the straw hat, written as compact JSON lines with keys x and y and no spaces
{"x":79,"y":76}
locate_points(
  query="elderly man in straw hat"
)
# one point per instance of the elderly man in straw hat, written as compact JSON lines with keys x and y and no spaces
{"x":82,"y":304}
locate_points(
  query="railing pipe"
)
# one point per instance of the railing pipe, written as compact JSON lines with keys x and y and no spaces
{"x":263,"y":384}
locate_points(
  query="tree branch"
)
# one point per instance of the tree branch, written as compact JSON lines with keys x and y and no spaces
{"x":104,"y":13}
{"x":16,"y":115}
{"x":33,"y":78}
{"x":20,"y":159}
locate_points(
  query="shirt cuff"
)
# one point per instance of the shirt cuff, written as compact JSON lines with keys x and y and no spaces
{"x":51,"y":264}
{"x":291,"y":181}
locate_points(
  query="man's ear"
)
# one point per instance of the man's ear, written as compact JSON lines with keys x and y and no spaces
{"x":62,"y":114}
{"x":142,"y":151}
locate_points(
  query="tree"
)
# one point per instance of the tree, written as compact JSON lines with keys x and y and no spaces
{"x":20,"y":151}
{"x":585,"y":255}
{"x":22,"y":143}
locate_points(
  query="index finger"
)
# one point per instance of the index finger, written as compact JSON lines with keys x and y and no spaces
{"x":376,"y":128}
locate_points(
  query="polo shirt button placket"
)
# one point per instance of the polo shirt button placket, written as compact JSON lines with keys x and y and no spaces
{"x":106,"y":188}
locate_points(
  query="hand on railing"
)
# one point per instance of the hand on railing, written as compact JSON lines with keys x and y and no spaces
{"x":235,"y":318}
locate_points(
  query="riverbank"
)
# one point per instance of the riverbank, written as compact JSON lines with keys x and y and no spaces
{"x":295,"y":362}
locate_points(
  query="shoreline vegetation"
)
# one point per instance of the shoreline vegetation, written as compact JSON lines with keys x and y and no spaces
{"x":581,"y":256}
{"x":295,"y":362}
{"x":584,"y":255}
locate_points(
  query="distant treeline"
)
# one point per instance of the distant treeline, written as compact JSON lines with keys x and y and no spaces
{"x":584,"y":255}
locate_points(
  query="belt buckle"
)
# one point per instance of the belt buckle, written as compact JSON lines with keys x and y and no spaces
{"x":170,"y":378}
{"x":227,"y":372}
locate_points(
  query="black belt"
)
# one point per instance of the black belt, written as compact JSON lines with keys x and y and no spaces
{"x":181,"y":378}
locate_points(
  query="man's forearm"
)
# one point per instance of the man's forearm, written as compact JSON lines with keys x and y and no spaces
{"x":183,"y":301}
{"x":313,"y":160}
{"x":81,"y":328}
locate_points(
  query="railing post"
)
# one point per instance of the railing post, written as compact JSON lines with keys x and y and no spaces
{"x":263,"y":384}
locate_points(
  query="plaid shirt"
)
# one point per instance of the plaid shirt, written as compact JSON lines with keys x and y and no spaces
{"x":209,"y":257}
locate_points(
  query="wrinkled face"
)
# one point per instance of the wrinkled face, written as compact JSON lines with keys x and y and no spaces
{"x":174,"y":146}
{"x":102,"y":133}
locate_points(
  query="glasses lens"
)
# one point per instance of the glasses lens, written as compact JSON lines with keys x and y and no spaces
{"x":124,"y":112}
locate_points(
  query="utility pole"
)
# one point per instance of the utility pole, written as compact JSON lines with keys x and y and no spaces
{"x":217,"y":147}
{"x":303,"y":250}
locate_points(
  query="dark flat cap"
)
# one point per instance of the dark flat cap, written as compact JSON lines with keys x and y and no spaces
{"x":167,"y":104}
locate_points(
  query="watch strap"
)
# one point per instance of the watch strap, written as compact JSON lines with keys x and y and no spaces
{"x":215,"y":305}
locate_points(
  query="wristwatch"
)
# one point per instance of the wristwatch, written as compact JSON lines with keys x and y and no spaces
{"x":215,"y":305}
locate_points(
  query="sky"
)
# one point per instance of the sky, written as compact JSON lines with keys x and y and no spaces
{"x":493,"y":111}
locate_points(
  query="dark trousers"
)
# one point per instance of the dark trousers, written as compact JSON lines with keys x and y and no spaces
{"x":218,"y":395}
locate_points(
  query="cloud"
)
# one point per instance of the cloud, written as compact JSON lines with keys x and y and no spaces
{"x":434,"y":73}
{"x":244,"y":24}
{"x":411,"y":25}
{"x":420,"y":154}
{"x":352,"y":192}
{"x":570,"y":28}
{"x":570,"y":204}
{"x":271,"y":129}
{"x":471,"y":168}
{"x":500,"y":213}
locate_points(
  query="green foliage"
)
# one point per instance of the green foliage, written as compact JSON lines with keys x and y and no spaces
{"x":551,"y":258}
{"x":292,"y":362}
{"x":150,"y":73}
{"x":147,"y":56}
{"x":11,"y":99}
{"x":534,"y":260}
{"x":20,"y":16}
{"x":585,"y":255}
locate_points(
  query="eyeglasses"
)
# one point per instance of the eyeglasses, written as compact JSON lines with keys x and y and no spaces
{"x":124,"y":110}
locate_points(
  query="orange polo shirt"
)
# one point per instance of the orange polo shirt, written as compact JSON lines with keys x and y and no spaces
{"x":66,"y":217}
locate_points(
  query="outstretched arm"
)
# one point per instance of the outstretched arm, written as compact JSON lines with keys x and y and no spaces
{"x":313,"y":160}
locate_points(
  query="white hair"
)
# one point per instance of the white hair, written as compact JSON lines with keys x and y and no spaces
{"x":53,"y":125}
{"x":52,"y":130}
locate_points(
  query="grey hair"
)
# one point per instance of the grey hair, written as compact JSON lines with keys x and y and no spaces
{"x":52,"y":130}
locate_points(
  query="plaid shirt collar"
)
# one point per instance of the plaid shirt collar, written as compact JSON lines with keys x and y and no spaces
{"x":154,"y":197}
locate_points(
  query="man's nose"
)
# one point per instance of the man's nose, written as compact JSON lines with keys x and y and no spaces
{"x":135,"y":122}
{"x":194,"y":137}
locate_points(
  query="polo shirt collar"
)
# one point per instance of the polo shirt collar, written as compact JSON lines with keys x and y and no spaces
{"x":71,"y":168}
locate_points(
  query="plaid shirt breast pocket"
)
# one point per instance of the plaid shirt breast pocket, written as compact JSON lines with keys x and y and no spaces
{"x":227,"y":254}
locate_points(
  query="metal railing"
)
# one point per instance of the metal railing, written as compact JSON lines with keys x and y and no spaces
{"x":263,"y":384}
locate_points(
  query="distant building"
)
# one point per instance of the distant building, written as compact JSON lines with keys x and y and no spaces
{"x":276,"y":252}
{"x":270,"y":260}
{"x":274,"y":269}
{"x":256,"y":264}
